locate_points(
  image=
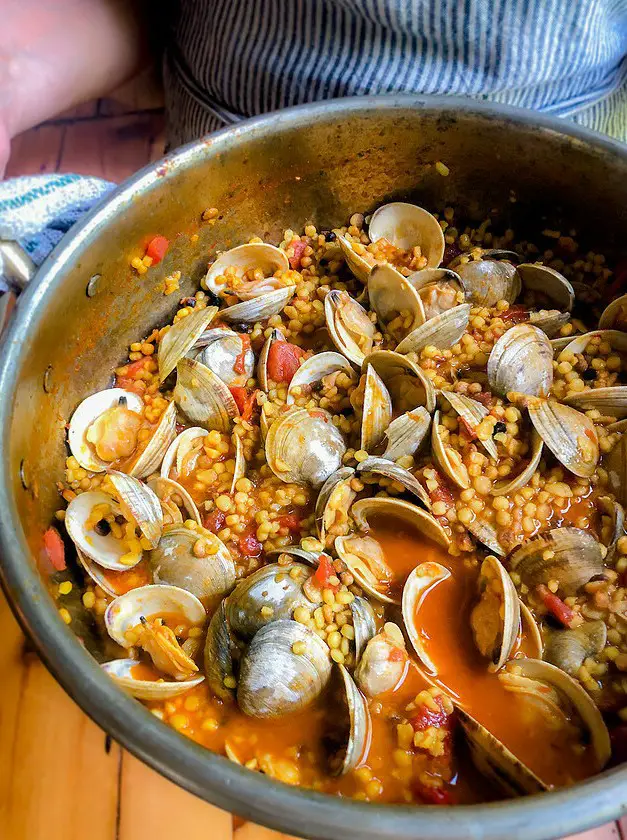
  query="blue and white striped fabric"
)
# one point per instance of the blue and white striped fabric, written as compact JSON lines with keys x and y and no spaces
{"x":231,"y":59}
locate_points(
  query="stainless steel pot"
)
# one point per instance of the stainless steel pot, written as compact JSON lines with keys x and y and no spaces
{"x":318,"y":162}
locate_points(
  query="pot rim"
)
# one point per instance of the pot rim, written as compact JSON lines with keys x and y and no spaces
{"x":198,"y":770}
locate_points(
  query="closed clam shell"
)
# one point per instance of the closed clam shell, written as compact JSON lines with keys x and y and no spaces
{"x":142,"y":504}
{"x":244,"y":258}
{"x":173,"y":561}
{"x":417,"y":587}
{"x":406,"y":433}
{"x":522,"y":361}
{"x":568,"y":433}
{"x":364,"y":624}
{"x":278,"y":587}
{"x":151,"y":458}
{"x":350,"y":725}
{"x":183,"y":452}
{"x":165,"y":489}
{"x":181,"y":337}
{"x":495,"y":618}
{"x":262,"y":364}
{"x":614,"y":316}
{"x":486,"y":282}
{"x":548,"y":281}
{"x":394,"y":299}
{"x":121,"y":672}
{"x":105,"y":550}
{"x":567,"y":649}
{"x":533,"y":676}
{"x":359,"y":266}
{"x":87,"y":412}
{"x":407,"y":383}
{"x":349,"y":326}
{"x":313,"y":370}
{"x":446,"y":457}
{"x":510,"y":485}
{"x":440,"y":289}
{"x":496,"y":762}
{"x":304,"y":447}
{"x":407,"y":226}
{"x":220,"y":652}
{"x":333,"y":503}
{"x":275,"y":681}
{"x":258,"y":308}
{"x":388,"y":469}
{"x":400,"y":510}
{"x":376,"y":412}
{"x":568,"y":555}
{"x":472,"y":412}
{"x":441,"y":331}
{"x":222,"y":351}
{"x":382,"y":667}
{"x":204,"y":397}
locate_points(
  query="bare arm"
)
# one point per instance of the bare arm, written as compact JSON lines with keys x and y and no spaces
{"x":55,"y":54}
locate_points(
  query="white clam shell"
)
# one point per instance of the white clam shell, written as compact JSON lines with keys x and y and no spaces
{"x":390,"y":294}
{"x":181,"y":337}
{"x":407,"y":226}
{"x":258,"y":308}
{"x":178,"y":449}
{"x":313,"y":370}
{"x":262,"y":364}
{"x":164,"y":489}
{"x":341,"y":309}
{"x":220,"y":350}
{"x":203,"y":396}
{"x":142,"y":504}
{"x":521,"y":361}
{"x":377,"y":411}
{"x":549,"y":282}
{"x":359,"y":266}
{"x":104,"y":550}
{"x":417,"y":586}
{"x":87,"y":412}
{"x":243,"y":258}
{"x":156,"y":448}
{"x":120,"y":671}
{"x":442,"y":331}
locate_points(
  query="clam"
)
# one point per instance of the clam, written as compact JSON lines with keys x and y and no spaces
{"x":440,"y":289}
{"x":534,"y":645}
{"x":258,"y":308}
{"x":304,"y":447}
{"x":561,"y":699}
{"x":472,"y":413}
{"x":235,"y":263}
{"x":183,"y":452}
{"x":446,"y":457}
{"x":239,"y":470}
{"x":614,"y":316}
{"x":173,"y":497}
{"x":302,"y":555}
{"x":96,"y":419}
{"x":486,"y":282}
{"x":139,"y":505}
{"x":279,"y":588}
{"x":262,"y":364}
{"x":417,"y":586}
{"x":314,"y":370}
{"x":226,"y":354}
{"x":397,"y":509}
{"x":486,"y":534}
{"x":95,"y":572}
{"x":617,"y":339}
{"x":396,"y":302}
{"x":406,"y":382}
{"x":273,"y":679}
{"x":349,"y":724}
{"x":441,"y":331}
{"x":221,"y":651}
{"x":349,"y":326}
{"x":405,"y":434}
{"x":568,"y":555}
{"x":384,"y":662}
{"x":161,"y":439}
{"x":333,"y":503}
{"x":495,"y":618}
{"x":549,"y":320}
{"x":196,"y":561}
{"x":568,"y":433}
{"x":510,"y":485}
{"x":128,"y":675}
{"x":613,"y":525}
{"x":358,"y":265}
{"x":615,"y":464}
{"x":181,"y":337}
{"x":567,"y":649}
{"x":407,"y":226}
{"x":364,"y":624}
{"x":388,"y":469}
{"x":549,"y":282}
{"x":496,"y":762}
{"x":611,"y":400}
{"x":521,"y":361}
{"x":203,"y":396}
{"x":376,"y":412}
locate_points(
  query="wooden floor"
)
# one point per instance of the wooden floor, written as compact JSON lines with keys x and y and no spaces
{"x":61,"y":778}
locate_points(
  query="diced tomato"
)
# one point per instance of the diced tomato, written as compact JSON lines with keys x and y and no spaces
{"x":396,"y":655}
{"x":214,"y":521}
{"x":298,"y":249}
{"x":157,"y":248}
{"x":283,"y":361}
{"x":291,"y":521}
{"x":555,"y":605}
{"x":442,"y":492}
{"x":485,"y":398}
{"x":466,"y":429}
{"x":434,"y":795}
{"x":250,"y":546}
{"x":240,"y":361}
{"x":55,"y":549}
{"x":324,"y":571}
{"x":246,"y":401}
{"x":428,"y":717}
{"x":515,"y":315}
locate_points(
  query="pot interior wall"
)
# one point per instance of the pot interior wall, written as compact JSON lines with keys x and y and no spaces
{"x":263,"y":181}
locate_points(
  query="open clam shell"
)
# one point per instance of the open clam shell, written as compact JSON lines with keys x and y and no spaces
{"x":152,"y":456}
{"x":227,"y":354}
{"x":275,"y":681}
{"x":485,"y":533}
{"x":495,"y":618}
{"x":617,"y":339}
{"x":530,"y":629}
{"x":350,"y":725}
{"x":388,"y":469}
{"x":304,"y":447}
{"x":405,"y":435}
{"x":302,"y":555}
{"x":220,"y":654}
{"x":349,"y":326}
{"x":365,"y":560}
{"x":105,"y":549}
{"x":506,"y":486}
{"x":397,"y":304}
{"x":549,"y":320}
{"x":472,"y":412}
{"x":280,"y":588}
{"x":548,"y":281}
{"x":384,"y":662}
{"x":446,"y":457}
{"x":407,"y":383}
{"x":612,"y":400}
{"x":244,"y":258}
{"x":239,"y":470}
{"x":204,"y":397}
{"x":123,"y":672}
{"x":173,"y":497}
{"x":407,"y":226}
{"x":183,"y":452}
{"x":141,"y":503}
{"x":262,"y":364}
{"x":364,"y":624}
{"x":417,"y":587}
{"x":441,"y":331}
{"x":400,"y":510}
{"x":567,"y":649}
{"x":532,"y":678}
{"x":522,"y":361}
{"x":359,"y":266}
{"x":258,"y":308}
{"x":174,"y":561}
{"x":613,"y":525}
{"x":95,"y":572}
{"x":376,"y":412}
{"x":181,"y":337}
{"x":440,"y":289}
{"x":614,"y":316}
{"x":313,"y":370}
{"x":87,"y":412}
{"x":568,"y":555}
{"x":568,"y":433}
{"x":486,"y":282}
{"x":333,"y":503}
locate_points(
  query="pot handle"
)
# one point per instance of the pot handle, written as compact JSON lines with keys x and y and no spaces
{"x":18,"y":268}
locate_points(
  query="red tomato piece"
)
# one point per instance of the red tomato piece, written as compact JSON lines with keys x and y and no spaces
{"x":283,"y":361}
{"x":515,"y":315}
{"x":555,"y":605}
{"x":291,"y":521}
{"x":467,"y":429}
{"x":157,"y":248}
{"x":434,"y":795}
{"x":240,"y":361}
{"x":55,"y":549}
{"x":298,"y":249}
{"x":250,"y":546}
{"x":245,"y":401}
{"x":485,"y":398}
{"x":324,"y":571}
{"x":427,"y":717}
{"x":214,"y":521}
